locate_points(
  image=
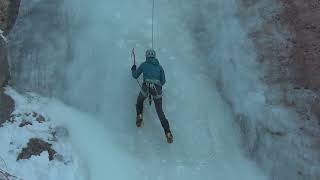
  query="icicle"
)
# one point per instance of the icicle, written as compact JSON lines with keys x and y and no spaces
{"x":3,"y":37}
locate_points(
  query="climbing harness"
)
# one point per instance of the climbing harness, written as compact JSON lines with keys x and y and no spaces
{"x":151,"y":85}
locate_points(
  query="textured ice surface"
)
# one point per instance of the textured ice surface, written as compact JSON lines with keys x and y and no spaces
{"x":97,"y":81}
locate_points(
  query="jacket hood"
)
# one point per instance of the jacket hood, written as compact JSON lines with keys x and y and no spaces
{"x":153,"y":61}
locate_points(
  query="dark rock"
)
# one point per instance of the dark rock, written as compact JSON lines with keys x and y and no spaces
{"x":13,"y":12}
{"x":40,"y":119}
{"x":36,"y":147}
{"x":6,"y":102}
{"x":4,"y":68}
{"x":6,"y":106}
{"x":34,"y":114}
{"x":12,"y":119}
{"x":25,"y":123}
{"x":9,"y":10}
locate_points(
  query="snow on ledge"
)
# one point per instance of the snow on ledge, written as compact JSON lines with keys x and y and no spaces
{"x":13,"y":138}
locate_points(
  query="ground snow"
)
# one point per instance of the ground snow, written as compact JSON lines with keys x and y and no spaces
{"x":13,"y":138}
{"x":146,"y":156}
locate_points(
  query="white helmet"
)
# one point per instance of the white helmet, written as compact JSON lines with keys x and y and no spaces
{"x":150,"y":53}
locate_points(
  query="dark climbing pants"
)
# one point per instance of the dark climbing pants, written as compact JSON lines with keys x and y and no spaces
{"x":155,"y":93}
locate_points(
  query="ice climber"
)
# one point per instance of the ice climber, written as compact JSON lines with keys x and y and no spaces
{"x":153,"y":80}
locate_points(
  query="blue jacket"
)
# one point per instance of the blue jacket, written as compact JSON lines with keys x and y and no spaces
{"x":152,"y":70}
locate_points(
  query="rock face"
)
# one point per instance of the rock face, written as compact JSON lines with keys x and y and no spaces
{"x":292,"y":50}
{"x":6,"y":106}
{"x":6,"y":103}
{"x":4,"y":6}
{"x":36,"y":147}
{"x":8,"y":14}
{"x":285,"y":142}
{"x":303,"y":19}
{"x":4,"y":68}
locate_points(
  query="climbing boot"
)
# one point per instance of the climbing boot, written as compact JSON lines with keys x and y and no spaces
{"x":139,"y":121}
{"x":169,"y":137}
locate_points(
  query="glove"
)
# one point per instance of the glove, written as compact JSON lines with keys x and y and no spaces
{"x":134,"y":67}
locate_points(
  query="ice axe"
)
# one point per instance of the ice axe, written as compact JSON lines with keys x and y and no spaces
{"x":133,"y":56}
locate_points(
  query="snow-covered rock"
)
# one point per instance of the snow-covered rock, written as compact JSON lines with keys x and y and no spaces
{"x":33,"y":145}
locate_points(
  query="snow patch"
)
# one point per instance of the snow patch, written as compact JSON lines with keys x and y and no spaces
{"x":13,"y":138}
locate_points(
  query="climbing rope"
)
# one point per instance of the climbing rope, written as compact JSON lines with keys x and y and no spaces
{"x":152,"y":22}
{"x":133,"y":56}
